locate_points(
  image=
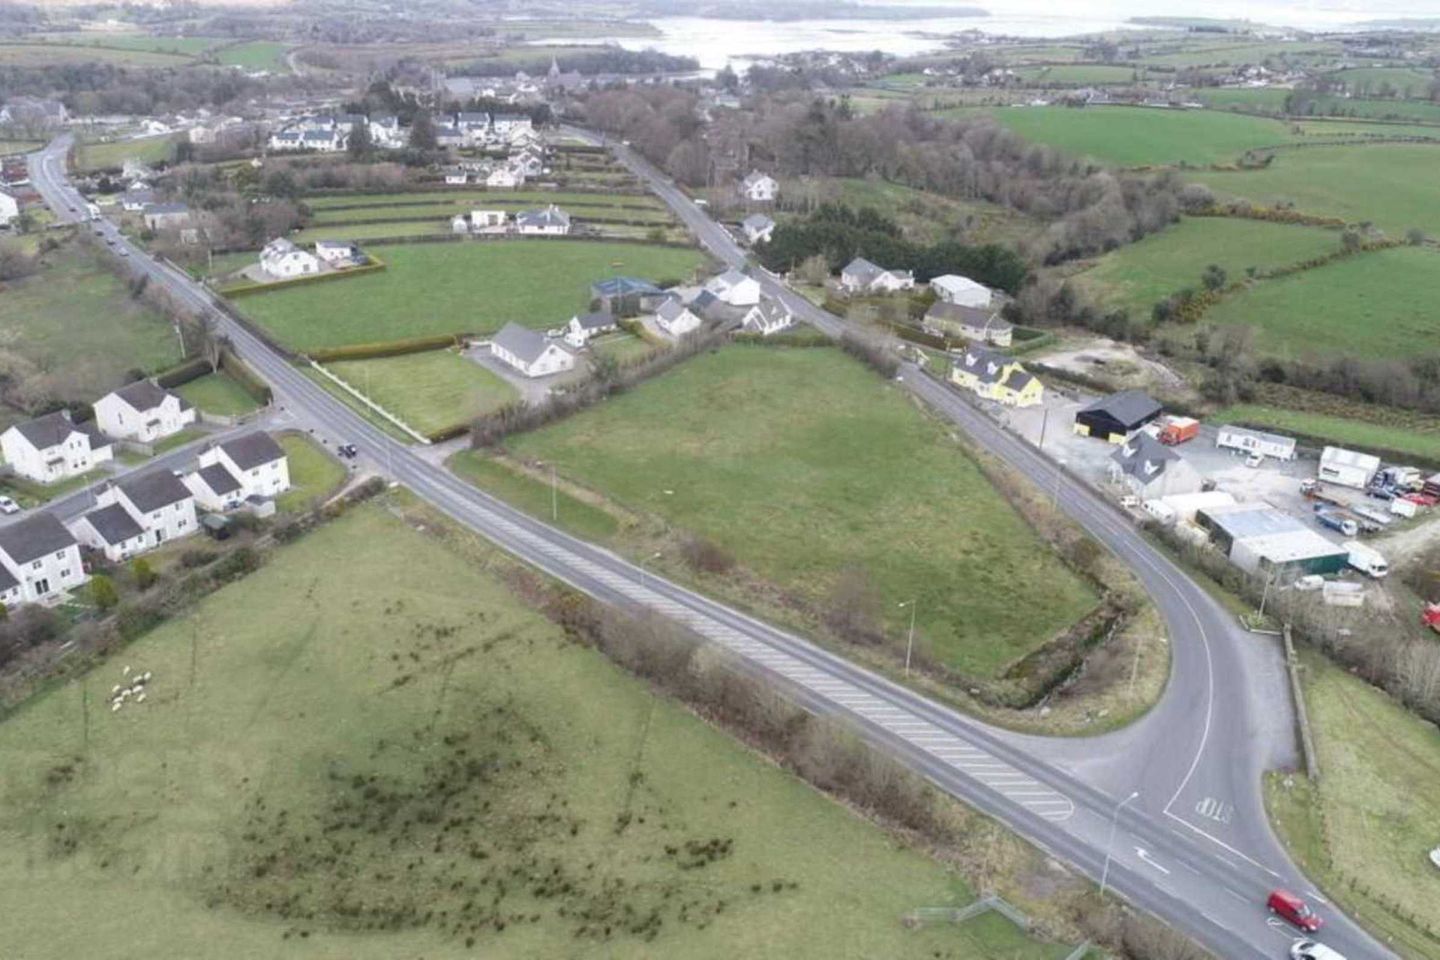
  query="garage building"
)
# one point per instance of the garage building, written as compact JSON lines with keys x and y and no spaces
{"x":1347,"y":468}
{"x":1117,"y":416}
{"x":1259,"y":539}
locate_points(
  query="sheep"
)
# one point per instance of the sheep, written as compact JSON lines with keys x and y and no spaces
{"x":140,"y":698}
{"x":125,"y":672}
{"x":115,"y":689}
{"x":115,"y":706}
{"x":146,"y":678}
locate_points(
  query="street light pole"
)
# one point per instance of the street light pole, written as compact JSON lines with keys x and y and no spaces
{"x":1110,"y":841}
{"x":554,"y":497}
{"x":910,"y":636}
{"x":643,"y":570}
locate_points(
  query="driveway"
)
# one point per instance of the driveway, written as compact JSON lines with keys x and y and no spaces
{"x":533,"y":390}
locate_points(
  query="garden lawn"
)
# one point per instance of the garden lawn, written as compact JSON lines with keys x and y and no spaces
{"x":106,"y":156}
{"x":218,"y":394}
{"x":331,"y":698}
{"x":1393,"y":185}
{"x":439,"y":288}
{"x":1372,"y":818}
{"x":430,"y":391}
{"x":1137,"y":136}
{"x":75,"y":322}
{"x":1135,"y":276}
{"x":1379,"y":304}
{"x":802,"y":463}
{"x":313,"y":472}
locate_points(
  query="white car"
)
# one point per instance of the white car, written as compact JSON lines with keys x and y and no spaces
{"x":1313,"y":950}
{"x":1254,"y":460}
{"x":8,"y":506}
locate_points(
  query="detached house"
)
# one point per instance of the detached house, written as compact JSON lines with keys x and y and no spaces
{"x":862,"y":276}
{"x":529,"y":352}
{"x":137,"y":514}
{"x":249,"y":467}
{"x":767,"y":317}
{"x":505,"y":178}
{"x":980,"y":324}
{"x":282,"y":260}
{"x":52,"y":448}
{"x":586,"y":325}
{"x":39,"y":561}
{"x":1149,"y":469}
{"x":992,"y":375}
{"x":759,"y":187}
{"x":757,"y":228}
{"x":735,"y":288}
{"x":165,"y":216}
{"x":143,"y":412}
{"x":9,"y":208}
{"x":337,"y":253}
{"x":675,"y":319}
{"x":552,"y":221}
{"x":488,"y":219}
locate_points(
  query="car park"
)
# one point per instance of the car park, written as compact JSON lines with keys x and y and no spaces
{"x":1290,"y":907}
{"x":1313,"y":950}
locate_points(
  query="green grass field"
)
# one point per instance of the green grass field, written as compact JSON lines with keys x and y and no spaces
{"x":437,"y":212}
{"x":1361,"y":129}
{"x":437,"y":226}
{"x":1077,"y":74}
{"x":1378,"y":304}
{"x":180,"y":46}
{"x":1341,"y":182}
{"x":1136,"y":136}
{"x":802,"y":463}
{"x":74,"y":325}
{"x":305,"y":726}
{"x":1378,"y":109}
{"x":8,"y":147}
{"x":1241,"y":52}
{"x":464,"y":198}
{"x":90,"y":157}
{"x":429,"y":391}
{"x":255,"y":55}
{"x":60,"y":54}
{"x":1405,"y":81}
{"x":217,"y":393}
{"x":442,"y":288}
{"x":1372,"y":818}
{"x":1344,"y":431}
{"x":1135,"y":276}
{"x":1256,"y":99}
{"x":925,"y":216}
{"x":313,"y":472}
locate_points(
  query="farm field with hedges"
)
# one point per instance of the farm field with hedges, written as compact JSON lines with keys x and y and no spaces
{"x":1136,"y":136}
{"x":809,"y":470}
{"x":1342,"y":182}
{"x":440,"y":288}
{"x":1137,"y":275}
{"x":1377,"y":304}
{"x":272,"y":792}
{"x":430,"y":390}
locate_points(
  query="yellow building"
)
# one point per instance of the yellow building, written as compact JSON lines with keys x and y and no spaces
{"x":992,"y":375}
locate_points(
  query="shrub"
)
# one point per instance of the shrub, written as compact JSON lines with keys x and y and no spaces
{"x":872,"y":352}
{"x":191,"y":559}
{"x":388,"y":348}
{"x":248,"y":379}
{"x":102,"y":592}
{"x":145,"y":575}
{"x":706,"y":556}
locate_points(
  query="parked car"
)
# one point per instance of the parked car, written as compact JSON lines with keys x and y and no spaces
{"x":1254,"y":460}
{"x":1313,"y":950}
{"x":1285,"y":904}
{"x":347,"y":450}
{"x":1421,"y":499}
{"x":8,"y":506}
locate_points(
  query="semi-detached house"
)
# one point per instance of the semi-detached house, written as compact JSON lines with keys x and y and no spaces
{"x":53,"y":448}
{"x":142,"y":411}
{"x":250,"y":467}
{"x":137,"y":514}
{"x":39,"y":561}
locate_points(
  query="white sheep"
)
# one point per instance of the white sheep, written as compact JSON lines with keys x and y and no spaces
{"x":125,"y":672}
{"x":146,"y":678}
{"x":115,"y":689}
{"x":115,"y":706}
{"x":140,"y":698}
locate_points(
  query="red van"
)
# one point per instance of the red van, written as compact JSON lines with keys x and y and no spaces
{"x":1285,"y":904}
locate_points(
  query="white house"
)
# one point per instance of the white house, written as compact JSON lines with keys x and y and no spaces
{"x":735,"y":288}
{"x":487,"y":219}
{"x":142,"y":411}
{"x":552,"y":221}
{"x":1149,"y":469}
{"x":386,"y":132}
{"x":757,"y":228}
{"x":136,"y":199}
{"x":52,"y":448}
{"x":529,"y":352}
{"x":509,"y":126}
{"x":456,"y":176}
{"x":1347,"y":467}
{"x":137,"y":514}
{"x":675,"y":319}
{"x":458,"y":224}
{"x":233,"y":471}
{"x":39,"y":560}
{"x":953,"y":288}
{"x":284,"y":141}
{"x":282,"y":260}
{"x":9,"y":208}
{"x":505,"y":177}
{"x":981,"y":324}
{"x":337,"y":252}
{"x":165,"y":216}
{"x":759,"y":187}
{"x":767,"y":317}
{"x":586,"y":325}
{"x":862,"y":276}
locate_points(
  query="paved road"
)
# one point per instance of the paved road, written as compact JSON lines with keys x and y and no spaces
{"x":1072,"y":798}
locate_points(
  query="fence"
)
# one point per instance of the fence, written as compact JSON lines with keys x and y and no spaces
{"x":1302,"y":716}
{"x":371,"y":404}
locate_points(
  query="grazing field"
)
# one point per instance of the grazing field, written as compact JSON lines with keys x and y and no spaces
{"x":1341,"y":182}
{"x":217,"y":393}
{"x":1136,"y":136}
{"x":467,"y":197}
{"x":1404,"y":81}
{"x":90,"y":157}
{"x":438,"y":288}
{"x":1137,"y":275}
{"x":255,"y":55}
{"x":429,"y":391}
{"x":73,"y":327}
{"x":418,"y":211}
{"x":1078,"y":74}
{"x":314,"y":472}
{"x":1361,"y":129}
{"x":1255,"y":99}
{"x":813,"y":473}
{"x":61,"y":54}
{"x":8,"y":147}
{"x":1378,"y":304}
{"x":924,"y":216}
{"x":277,"y":792}
{"x":1377,"y":109}
{"x":1239,"y":54}
{"x":1364,"y":830}
{"x":438,"y":226}
{"x":181,"y":46}
{"x":1343,"y":431}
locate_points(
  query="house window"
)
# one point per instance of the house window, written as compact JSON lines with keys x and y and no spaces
{"x":60,"y":555}
{"x":65,"y":574}
{"x":36,"y":565}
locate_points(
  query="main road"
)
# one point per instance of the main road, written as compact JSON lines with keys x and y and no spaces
{"x":1168,"y":811}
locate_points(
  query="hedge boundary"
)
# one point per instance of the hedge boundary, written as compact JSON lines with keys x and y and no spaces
{"x":248,"y":379}
{"x":387,"y":348}
{"x":183,"y":372}
{"x":246,"y":289}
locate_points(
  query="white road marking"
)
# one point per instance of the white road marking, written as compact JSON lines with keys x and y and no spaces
{"x":1145,"y":856}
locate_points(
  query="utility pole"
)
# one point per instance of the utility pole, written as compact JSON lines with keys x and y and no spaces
{"x":1110,"y":841}
{"x":554,"y":496}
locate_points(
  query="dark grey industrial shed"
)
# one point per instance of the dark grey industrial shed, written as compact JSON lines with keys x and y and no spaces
{"x":1117,"y":416}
